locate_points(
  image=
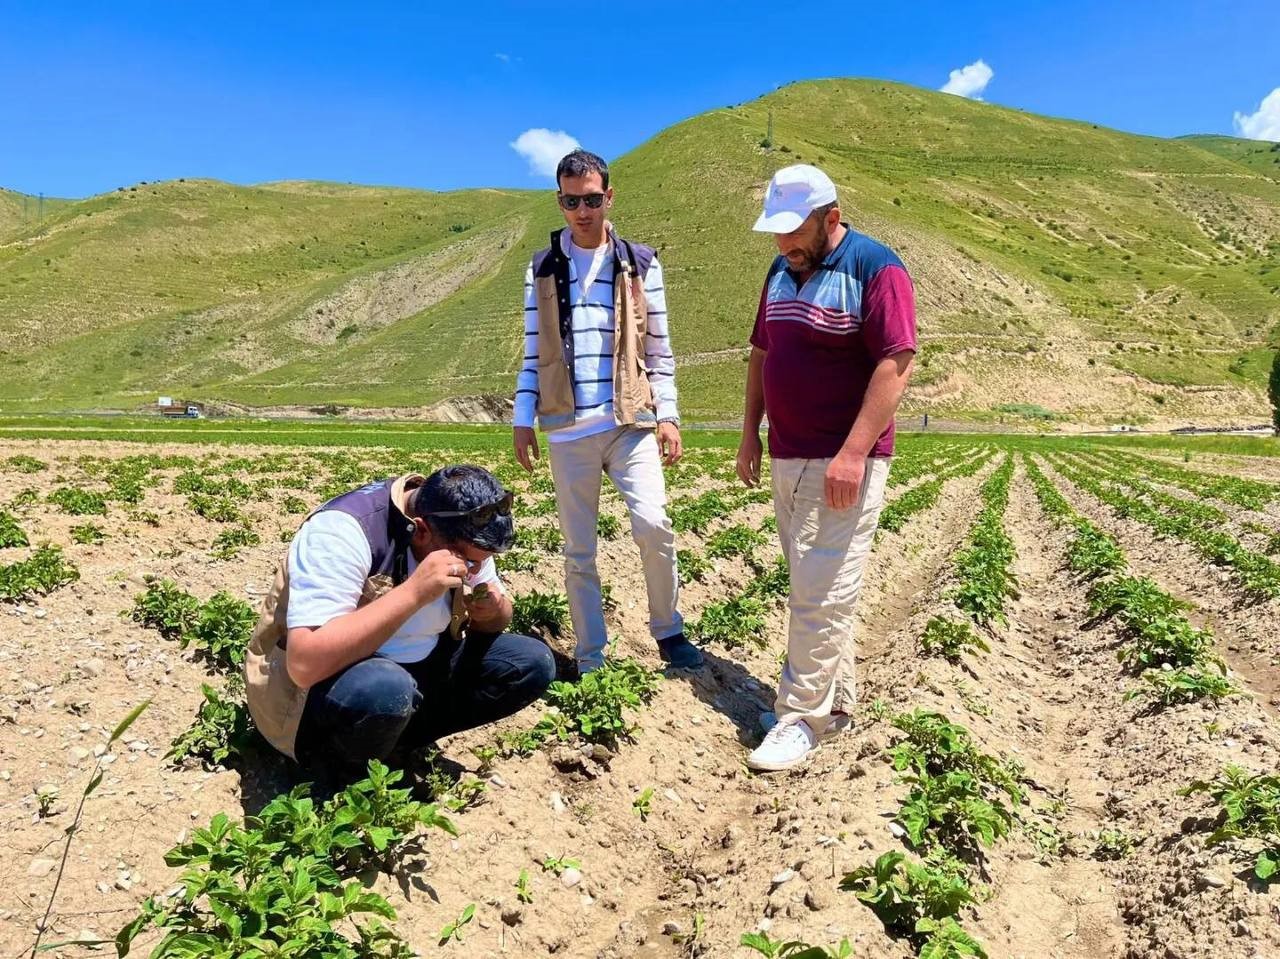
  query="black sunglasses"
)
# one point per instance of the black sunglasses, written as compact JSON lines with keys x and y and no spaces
{"x":570,"y":201}
{"x":481,"y":515}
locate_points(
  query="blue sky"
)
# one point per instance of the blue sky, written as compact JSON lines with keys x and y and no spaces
{"x":98,"y":95}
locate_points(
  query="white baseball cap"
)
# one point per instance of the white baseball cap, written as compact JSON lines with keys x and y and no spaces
{"x":794,"y":192}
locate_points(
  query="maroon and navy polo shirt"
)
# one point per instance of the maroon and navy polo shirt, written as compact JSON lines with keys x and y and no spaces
{"x":823,"y":341}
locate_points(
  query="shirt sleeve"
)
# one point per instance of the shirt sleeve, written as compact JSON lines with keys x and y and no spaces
{"x":526,"y":398}
{"x":889,"y":313}
{"x":659,"y":358}
{"x":760,"y":332}
{"x":329,"y":561}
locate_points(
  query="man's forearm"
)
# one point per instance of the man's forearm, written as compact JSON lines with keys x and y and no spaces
{"x":312,"y":655}
{"x":880,"y":403}
{"x":754,"y":407}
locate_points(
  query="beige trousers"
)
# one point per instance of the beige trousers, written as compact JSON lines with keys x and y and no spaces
{"x":826,"y":550}
{"x":629,"y":456}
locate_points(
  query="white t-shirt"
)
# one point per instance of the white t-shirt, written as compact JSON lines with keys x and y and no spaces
{"x":329,"y":561}
{"x":586,"y":266}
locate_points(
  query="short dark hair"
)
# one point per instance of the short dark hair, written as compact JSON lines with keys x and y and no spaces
{"x":465,"y":487}
{"x":821,"y":211}
{"x":580,"y":163}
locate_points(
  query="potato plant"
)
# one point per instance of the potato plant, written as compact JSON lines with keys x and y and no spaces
{"x":40,"y":574}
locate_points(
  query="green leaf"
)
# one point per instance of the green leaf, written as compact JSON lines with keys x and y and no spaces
{"x":128,"y":720}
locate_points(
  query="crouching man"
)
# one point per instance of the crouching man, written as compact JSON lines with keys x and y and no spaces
{"x":384,"y":628}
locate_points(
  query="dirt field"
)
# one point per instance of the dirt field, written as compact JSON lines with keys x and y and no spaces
{"x":1101,"y":855}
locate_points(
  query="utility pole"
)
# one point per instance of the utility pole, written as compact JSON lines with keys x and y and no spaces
{"x":40,"y":214}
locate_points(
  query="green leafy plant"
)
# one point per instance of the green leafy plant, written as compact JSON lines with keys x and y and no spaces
{"x":1093,"y":553}
{"x":38,"y":575}
{"x":222,"y":731}
{"x":221,"y":631}
{"x":220,"y":509}
{"x":792,"y":948}
{"x":903,"y":893}
{"x":79,"y":502}
{"x":524,"y":889}
{"x":950,"y":639}
{"x":165,"y":607}
{"x":547,"y":539}
{"x":293,"y":504}
{"x":738,"y":540}
{"x":985,"y":568}
{"x":556,"y":865}
{"x":608,"y":527}
{"x":453,"y":931}
{"x":596,"y":707}
{"x":230,"y":541}
{"x":276,"y":886}
{"x":773,"y":583}
{"x":1170,"y":687}
{"x":947,"y":940}
{"x":21,"y":463}
{"x":642,"y":804}
{"x":695,"y":515}
{"x":1113,"y":844}
{"x":87,"y":534}
{"x":538,"y":612}
{"x":690,"y":566}
{"x":11,"y":534}
{"x":1249,"y":810}
{"x":46,"y":796}
{"x":731,"y":622}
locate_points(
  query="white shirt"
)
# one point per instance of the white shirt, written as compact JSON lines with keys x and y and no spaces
{"x":329,"y":561}
{"x":587,"y":266}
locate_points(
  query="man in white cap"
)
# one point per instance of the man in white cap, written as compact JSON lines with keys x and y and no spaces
{"x":833,"y":346}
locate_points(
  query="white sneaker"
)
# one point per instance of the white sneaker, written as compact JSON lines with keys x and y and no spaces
{"x":838,"y":723}
{"x":784,"y":746}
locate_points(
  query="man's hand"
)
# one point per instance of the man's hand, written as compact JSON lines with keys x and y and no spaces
{"x":750,"y":450}
{"x":844,"y":480}
{"x":441,"y":571}
{"x":669,"y":443}
{"x":526,"y":444}
{"x":481,"y":601}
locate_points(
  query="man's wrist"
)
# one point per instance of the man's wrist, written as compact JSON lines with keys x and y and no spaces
{"x":674,"y":420}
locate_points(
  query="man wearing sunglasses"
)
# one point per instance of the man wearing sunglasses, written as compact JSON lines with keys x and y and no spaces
{"x":384,"y":629}
{"x":599,"y":377}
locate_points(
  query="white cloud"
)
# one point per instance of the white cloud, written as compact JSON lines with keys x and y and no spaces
{"x":969,"y":81}
{"x":544,"y":149}
{"x":504,"y":57}
{"x":1265,"y":124}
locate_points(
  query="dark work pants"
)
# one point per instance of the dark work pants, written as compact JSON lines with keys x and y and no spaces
{"x":376,"y":705}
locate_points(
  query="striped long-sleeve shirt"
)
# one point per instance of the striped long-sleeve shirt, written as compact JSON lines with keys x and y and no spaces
{"x":592,"y":327}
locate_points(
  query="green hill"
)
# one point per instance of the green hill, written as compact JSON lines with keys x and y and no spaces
{"x":1261,"y":156}
{"x":17,"y":210}
{"x":1061,"y":268}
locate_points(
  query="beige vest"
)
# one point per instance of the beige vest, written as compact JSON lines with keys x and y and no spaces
{"x":632,"y":398}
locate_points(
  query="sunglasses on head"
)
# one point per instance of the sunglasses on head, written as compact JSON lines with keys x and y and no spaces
{"x":480,"y":515}
{"x":570,"y":201}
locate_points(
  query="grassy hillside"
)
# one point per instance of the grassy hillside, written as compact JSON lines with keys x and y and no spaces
{"x":1261,"y":156}
{"x":1062,"y":269}
{"x":17,"y":210}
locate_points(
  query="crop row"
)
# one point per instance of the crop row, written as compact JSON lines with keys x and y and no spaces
{"x":1257,"y":575}
{"x":1175,"y":659}
{"x":924,"y":495}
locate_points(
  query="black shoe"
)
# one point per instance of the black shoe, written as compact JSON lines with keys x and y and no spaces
{"x":679,"y":652}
